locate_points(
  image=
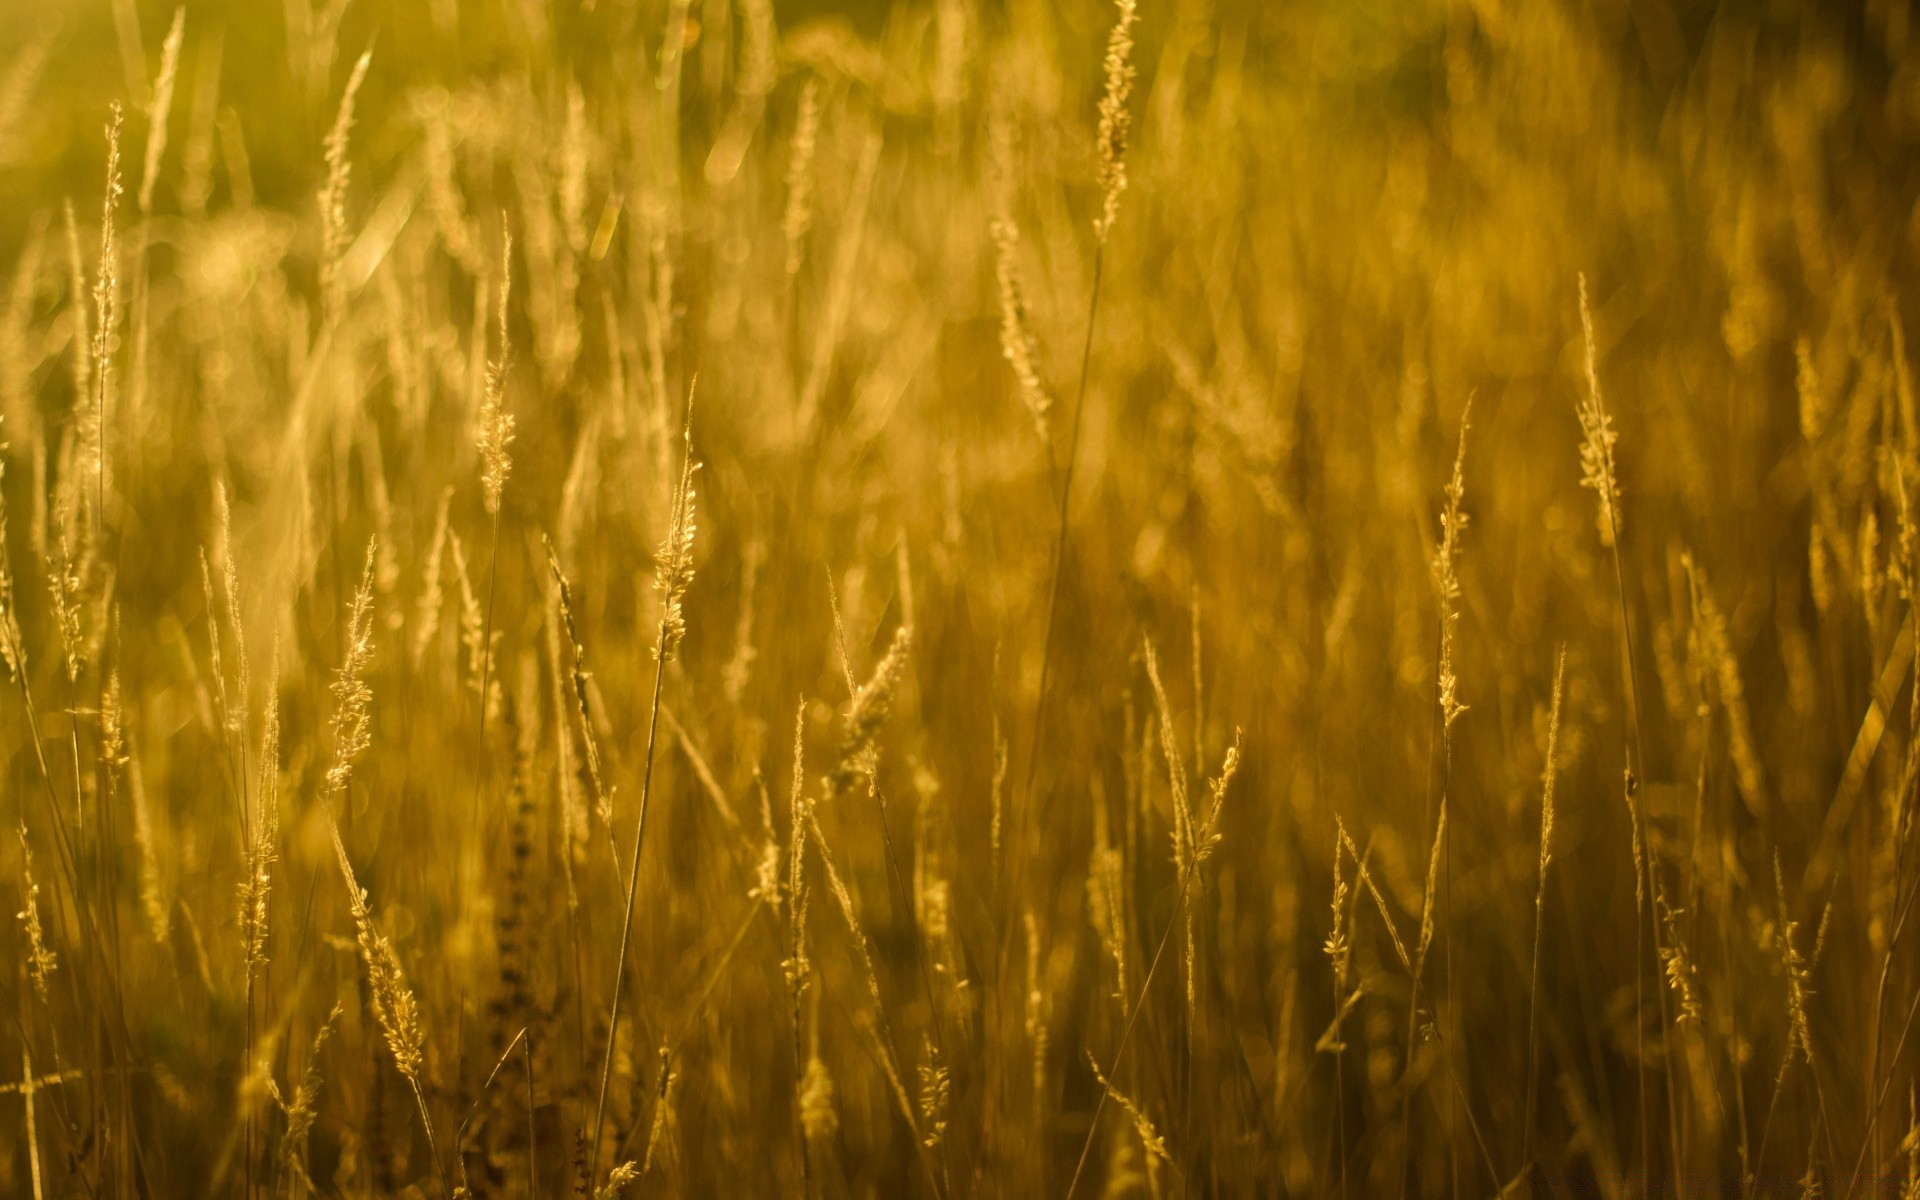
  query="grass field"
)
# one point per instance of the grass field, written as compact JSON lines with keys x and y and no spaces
{"x":958,"y":599}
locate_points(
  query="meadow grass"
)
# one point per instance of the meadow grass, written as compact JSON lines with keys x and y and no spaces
{"x":1135,"y":448}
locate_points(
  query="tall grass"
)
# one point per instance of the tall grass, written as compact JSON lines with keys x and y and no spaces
{"x":1138,"y":448}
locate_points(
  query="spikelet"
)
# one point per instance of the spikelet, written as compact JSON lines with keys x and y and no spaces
{"x":473,"y":632}
{"x":1550,"y":772}
{"x":69,"y":567}
{"x":352,"y":698}
{"x":662,"y":1107}
{"x":302,"y":1110}
{"x":394,"y":1007}
{"x":1431,"y":891}
{"x":264,"y":848}
{"x":41,"y":961}
{"x":91,"y":410}
{"x":1183,"y":822}
{"x":161,"y":107}
{"x":766,"y":868}
{"x":617,"y":1180}
{"x":1674,"y":959}
{"x":673,"y":567}
{"x":797,"y":968}
{"x":871,"y":706}
{"x":1597,"y":435}
{"x":1150,"y":1139}
{"x":237,"y":717}
{"x":806,"y":142}
{"x":334,"y":237}
{"x":1017,"y":342}
{"x":578,"y":676}
{"x":1339,"y":946}
{"x":393,"y":1003}
{"x":427,"y":615}
{"x":1710,"y":654}
{"x":1116,"y":120}
{"x":1339,"y":950}
{"x":1446,"y":578}
{"x":12,"y":650}
{"x":493,"y":434}
{"x":1798,"y":970}
{"x":1107,"y":900}
{"x":1207,"y":836}
{"x":935,"y":1092}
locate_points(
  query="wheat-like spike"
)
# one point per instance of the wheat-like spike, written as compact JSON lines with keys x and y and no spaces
{"x":1446,"y":578}
{"x":1018,"y":345}
{"x":1799,"y":1030}
{"x":352,"y":698}
{"x":936,"y":1088}
{"x":41,"y":961}
{"x":263,"y":851}
{"x":302,"y":1111}
{"x":1183,"y":823}
{"x":617,"y":1180}
{"x":493,"y":434}
{"x":161,"y":107}
{"x":867,"y":714}
{"x":394,"y":1007}
{"x":673,"y":567}
{"x":1150,"y":1138}
{"x":238,"y":716}
{"x":1674,"y":959}
{"x":578,"y":676}
{"x":474,"y":635}
{"x":427,"y":614}
{"x":1711,"y":653}
{"x":1106,"y":901}
{"x":1432,"y":889}
{"x":662,"y":1107}
{"x":1597,"y":434}
{"x":799,"y":812}
{"x":106,"y":293}
{"x":1339,"y":946}
{"x":1116,"y":119}
{"x":334,"y":237}
{"x":13,"y":650}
